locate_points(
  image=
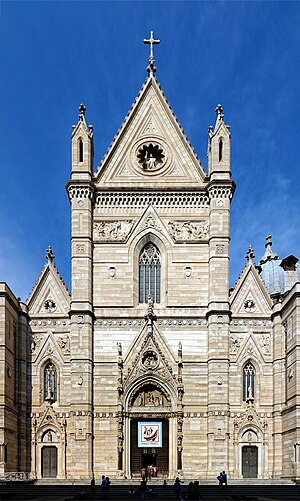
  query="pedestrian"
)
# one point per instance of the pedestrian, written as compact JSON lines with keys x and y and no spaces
{"x":177,"y":488}
{"x":143,"y":489}
{"x":93,"y":487}
{"x":224,"y":478}
{"x":108,"y":482}
{"x":219,"y":477}
{"x":131,"y":490}
{"x":103,"y":487}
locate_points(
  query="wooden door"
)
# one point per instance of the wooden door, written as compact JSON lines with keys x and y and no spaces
{"x":249,"y":461}
{"x":158,"y":456}
{"x":49,"y":462}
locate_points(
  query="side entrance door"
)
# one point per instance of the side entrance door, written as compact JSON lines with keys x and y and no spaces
{"x":249,"y":461}
{"x":49,"y":462}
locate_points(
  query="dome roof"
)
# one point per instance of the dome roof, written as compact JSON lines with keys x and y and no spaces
{"x":278,"y":275}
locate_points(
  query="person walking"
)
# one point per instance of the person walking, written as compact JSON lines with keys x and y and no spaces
{"x":177,"y":488}
{"x":224,"y":478}
{"x":93,"y":487}
{"x":103,"y":487}
{"x":108,"y":482}
{"x":143,"y":489}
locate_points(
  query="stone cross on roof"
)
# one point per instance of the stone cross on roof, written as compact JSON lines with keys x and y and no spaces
{"x":49,"y":254}
{"x":250,"y":254}
{"x":151,"y":41}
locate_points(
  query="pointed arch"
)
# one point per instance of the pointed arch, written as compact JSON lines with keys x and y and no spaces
{"x":149,"y":273}
{"x":50,"y":378}
{"x":163,"y":248}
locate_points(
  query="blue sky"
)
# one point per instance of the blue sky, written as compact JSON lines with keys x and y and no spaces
{"x":55,"y":55}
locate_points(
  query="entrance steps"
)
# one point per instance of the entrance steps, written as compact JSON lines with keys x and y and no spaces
{"x":20,"y":491}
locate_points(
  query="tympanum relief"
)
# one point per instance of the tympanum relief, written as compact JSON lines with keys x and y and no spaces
{"x":150,"y":398}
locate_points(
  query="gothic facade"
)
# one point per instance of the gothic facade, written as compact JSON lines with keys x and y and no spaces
{"x":152,"y":359}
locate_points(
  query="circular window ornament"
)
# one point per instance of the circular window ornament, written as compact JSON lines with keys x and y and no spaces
{"x":151,"y":156}
{"x":249,"y":305}
{"x":49,"y":305}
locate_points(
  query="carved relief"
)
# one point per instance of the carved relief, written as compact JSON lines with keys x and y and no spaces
{"x":112,"y":231}
{"x":150,"y":222}
{"x":80,"y":248}
{"x":64,"y":343}
{"x":235,"y":343}
{"x":265,"y":342}
{"x":151,"y":397}
{"x":188,"y":230}
{"x":35,"y":342}
{"x":150,"y":360}
{"x":249,"y":305}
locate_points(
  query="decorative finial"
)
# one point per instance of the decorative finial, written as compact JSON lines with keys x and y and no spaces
{"x":219,"y":113}
{"x":250,"y":254}
{"x":151,"y":68}
{"x":49,"y":254}
{"x":82,"y":110}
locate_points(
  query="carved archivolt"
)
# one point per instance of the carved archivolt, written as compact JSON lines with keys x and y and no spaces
{"x":112,"y":230}
{"x":188,"y":230}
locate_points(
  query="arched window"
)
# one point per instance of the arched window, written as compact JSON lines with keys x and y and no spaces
{"x":149,"y":274}
{"x":80,"y":150}
{"x":50,"y":382}
{"x":248,"y":382}
{"x":220,"y":150}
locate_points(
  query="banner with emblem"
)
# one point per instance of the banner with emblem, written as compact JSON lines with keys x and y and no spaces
{"x":150,"y":434}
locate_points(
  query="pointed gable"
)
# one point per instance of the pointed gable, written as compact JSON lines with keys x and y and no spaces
{"x":150,"y":148}
{"x":250,"y":295}
{"x":50,"y":295}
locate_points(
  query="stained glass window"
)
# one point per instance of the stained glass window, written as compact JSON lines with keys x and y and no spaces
{"x":149,"y":274}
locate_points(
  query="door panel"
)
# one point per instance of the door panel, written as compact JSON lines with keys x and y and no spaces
{"x":49,"y":462}
{"x":249,"y":461}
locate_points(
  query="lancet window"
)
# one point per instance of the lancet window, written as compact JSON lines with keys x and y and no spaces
{"x":80,"y":150}
{"x":248,"y":382}
{"x":50,"y":382}
{"x":149,"y":274}
{"x":220,"y":149}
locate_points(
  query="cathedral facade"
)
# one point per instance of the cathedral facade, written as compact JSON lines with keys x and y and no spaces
{"x":152,"y":360}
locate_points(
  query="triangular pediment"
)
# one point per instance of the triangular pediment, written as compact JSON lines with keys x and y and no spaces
{"x":49,"y":296}
{"x":150,"y":221}
{"x":149,"y":356}
{"x":250,"y":296}
{"x":150,"y":148}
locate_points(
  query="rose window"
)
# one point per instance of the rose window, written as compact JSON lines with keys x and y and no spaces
{"x":151,"y":156}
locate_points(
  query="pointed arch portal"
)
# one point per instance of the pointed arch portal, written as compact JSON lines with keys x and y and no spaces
{"x":150,"y":430}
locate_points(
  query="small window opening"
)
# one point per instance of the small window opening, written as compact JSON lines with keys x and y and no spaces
{"x":80,"y":150}
{"x":220,"y":150}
